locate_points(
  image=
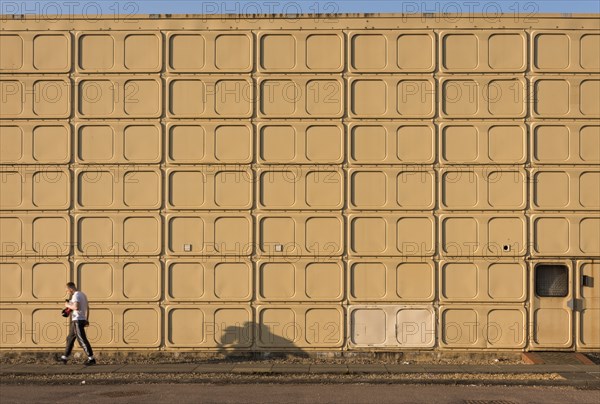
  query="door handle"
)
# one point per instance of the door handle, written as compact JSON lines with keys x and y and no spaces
{"x":587,"y":281}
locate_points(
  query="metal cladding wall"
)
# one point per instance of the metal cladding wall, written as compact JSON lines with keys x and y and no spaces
{"x":277,"y":183}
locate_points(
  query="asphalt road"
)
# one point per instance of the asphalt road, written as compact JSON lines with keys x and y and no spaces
{"x":293,"y":393}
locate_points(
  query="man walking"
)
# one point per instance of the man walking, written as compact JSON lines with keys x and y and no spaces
{"x":79,"y":315}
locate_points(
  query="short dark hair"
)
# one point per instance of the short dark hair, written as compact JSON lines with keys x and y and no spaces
{"x":71,"y":285}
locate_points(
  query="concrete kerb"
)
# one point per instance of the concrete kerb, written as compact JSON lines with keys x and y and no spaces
{"x":299,"y":368}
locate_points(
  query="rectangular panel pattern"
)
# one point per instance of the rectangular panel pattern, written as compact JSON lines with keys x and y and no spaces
{"x":348,"y":184}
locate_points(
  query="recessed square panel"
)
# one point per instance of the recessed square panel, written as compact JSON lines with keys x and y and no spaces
{"x":414,"y":280}
{"x":141,"y":189}
{"x":232,"y":280}
{"x":96,"y":143}
{"x":51,"y":52}
{"x":323,"y":235}
{"x":589,"y":189}
{"x":278,"y":51}
{"x":415,"y":51}
{"x":11,"y":144}
{"x":506,"y":144}
{"x":279,"y":97}
{"x":142,"y":97}
{"x":186,"y":189}
{"x":552,"y":97}
{"x":324,"y":144}
{"x":324,"y":97}
{"x":233,"y":97}
{"x":415,"y":189}
{"x":368,"y":235}
{"x":95,"y":189}
{"x":368,"y":189}
{"x":186,"y":230}
{"x":551,"y":235}
{"x":11,"y":281}
{"x":186,"y":327}
{"x":141,"y":143}
{"x":460,"y":51}
{"x":141,"y":280}
{"x":460,"y":189}
{"x":95,"y":235}
{"x":49,"y":279}
{"x":323,"y":280}
{"x":187,"y":52}
{"x":551,"y":143}
{"x":187,"y":97}
{"x":368,"y":280}
{"x":12,"y":190}
{"x":460,"y":281}
{"x":51,"y":189}
{"x":589,"y":144}
{"x":11,"y":52}
{"x":551,"y":189}
{"x":233,"y":189}
{"x":551,"y":51}
{"x":96,"y":278}
{"x":369,"y":52}
{"x":50,"y":143}
{"x":278,"y":143}
{"x":324,"y":189}
{"x":460,"y":144}
{"x":51,"y":235}
{"x":277,"y":188}
{"x":186,"y":143}
{"x":55,"y":100}
{"x":96,"y":97}
{"x":186,"y":280}
{"x":505,"y":51}
{"x":460,"y":236}
{"x":141,"y":235}
{"x":96,"y":52}
{"x":142,"y":52}
{"x":589,"y":51}
{"x":415,"y":98}
{"x":323,"y":52}
{"x":277,"y":231}
{"x":506,"y":98}
{"x":369,"y":143}
{"x":233,"y":144}
{"x":506,"y":189}
{"x":369,"y":97}
{"x":460,"y":97}
{"x":225,"y":59}
{"x":232,"y":235}
{"x":415,"y":144}
{"x":589,"y":103}
{"x":415,"y":235}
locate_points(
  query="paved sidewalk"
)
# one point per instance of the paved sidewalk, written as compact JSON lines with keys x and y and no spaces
{"x":286,"y":368}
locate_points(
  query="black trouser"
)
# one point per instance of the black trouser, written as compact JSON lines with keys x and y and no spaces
{"x":77,"y":332}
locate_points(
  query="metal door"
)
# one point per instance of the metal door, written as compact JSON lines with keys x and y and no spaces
{"x":551,"y":324}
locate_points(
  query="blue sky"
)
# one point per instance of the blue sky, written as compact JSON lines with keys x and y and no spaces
{"x":110,"y":7}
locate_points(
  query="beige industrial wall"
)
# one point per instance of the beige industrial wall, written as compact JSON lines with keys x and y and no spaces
{"x":270,"y":183}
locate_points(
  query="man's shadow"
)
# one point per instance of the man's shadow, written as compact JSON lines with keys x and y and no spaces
{"x":256,"y":341}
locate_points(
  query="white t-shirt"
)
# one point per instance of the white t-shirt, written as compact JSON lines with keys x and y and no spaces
{"x":81,"y":298}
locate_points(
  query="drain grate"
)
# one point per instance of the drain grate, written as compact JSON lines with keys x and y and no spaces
{"x":559,"y":358}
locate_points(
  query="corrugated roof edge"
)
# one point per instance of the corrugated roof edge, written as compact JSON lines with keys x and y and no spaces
{"x":271,"y":16}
